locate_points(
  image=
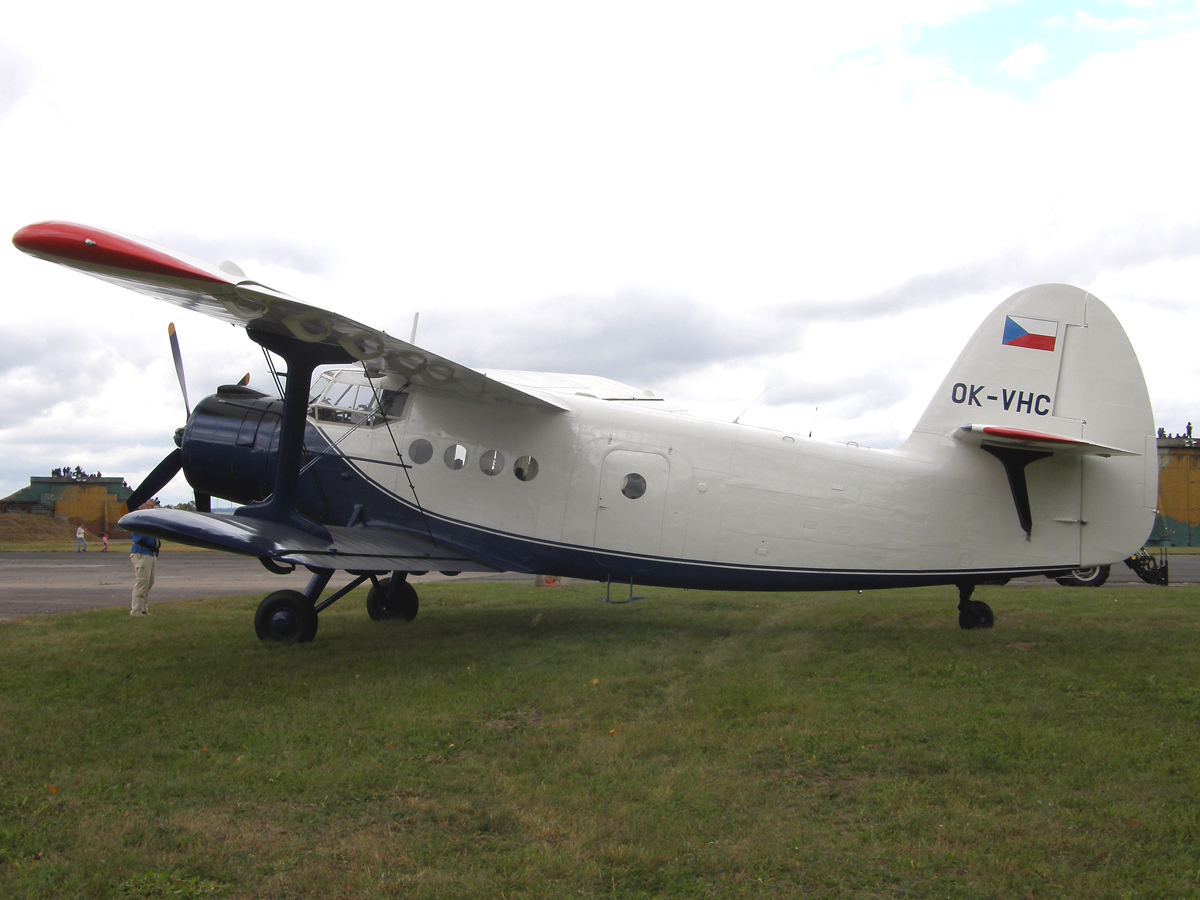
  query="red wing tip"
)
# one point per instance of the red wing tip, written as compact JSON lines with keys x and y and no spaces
{"x":46,"y":237}
{"x":87,"y":247}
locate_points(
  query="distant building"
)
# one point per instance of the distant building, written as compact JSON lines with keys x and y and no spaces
{"x":93,"y":502}
{"x":1178,"y":521}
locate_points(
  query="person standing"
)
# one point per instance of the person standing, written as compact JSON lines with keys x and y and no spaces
{"x":104,"y":541}
{"x":143,"y":554}
{"x":80,"y":540}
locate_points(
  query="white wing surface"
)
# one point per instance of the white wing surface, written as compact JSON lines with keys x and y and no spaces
{"x":149,"y":269}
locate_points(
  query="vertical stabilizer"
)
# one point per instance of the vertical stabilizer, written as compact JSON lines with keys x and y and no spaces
{"x":1052,"y":370}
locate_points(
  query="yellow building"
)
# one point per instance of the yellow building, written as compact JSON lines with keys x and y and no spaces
{"x":96,"y":503}
{"x":1178,"y":522}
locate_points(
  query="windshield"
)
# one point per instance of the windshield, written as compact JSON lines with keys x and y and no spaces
{"x":318,"y":388}
{"x":354,"y":403}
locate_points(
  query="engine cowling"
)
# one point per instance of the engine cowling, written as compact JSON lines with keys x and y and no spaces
{"x":231,"y":442}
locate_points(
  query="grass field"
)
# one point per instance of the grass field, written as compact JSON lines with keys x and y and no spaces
{"x":515,"y":742}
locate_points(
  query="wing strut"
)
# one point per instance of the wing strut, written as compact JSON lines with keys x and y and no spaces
{"x":302,"y":357}
{"x":1015,"y":461}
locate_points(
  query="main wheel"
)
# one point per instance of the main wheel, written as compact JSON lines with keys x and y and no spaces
{"x":384,"y":603}
{"x":974,"y":614}
{"x":286,"y":617}
{"x":1093,"y":577}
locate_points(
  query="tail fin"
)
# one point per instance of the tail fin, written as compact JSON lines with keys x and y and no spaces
{"x":1051,"y":372}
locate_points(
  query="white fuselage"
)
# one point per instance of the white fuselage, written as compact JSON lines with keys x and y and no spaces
{"x":716,"y":493}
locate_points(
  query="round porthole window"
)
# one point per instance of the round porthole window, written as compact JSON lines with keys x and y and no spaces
{"x":420,"y":451}
{"x":492,"y":462}
{"x":525,"y":468}
{"x":633,"y":485}
{"x":455,"y":456}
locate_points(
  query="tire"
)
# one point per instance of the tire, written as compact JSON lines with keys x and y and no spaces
{"x":1093,"y":577}
{"x":285,"y":617}
{"x":976,"y":615}
{"x":403,"y":605}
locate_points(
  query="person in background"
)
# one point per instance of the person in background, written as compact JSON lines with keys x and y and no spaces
{"x":104,"y":541}
{"x":143,"y":554}
{"x":80,"y":540}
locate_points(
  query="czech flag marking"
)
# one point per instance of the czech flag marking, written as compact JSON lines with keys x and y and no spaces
{"x":1035,"y":334}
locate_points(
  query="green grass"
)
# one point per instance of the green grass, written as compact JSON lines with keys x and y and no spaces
{"x":514,"y":742}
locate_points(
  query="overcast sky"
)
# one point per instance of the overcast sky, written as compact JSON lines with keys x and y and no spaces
{"x":823,"y":200}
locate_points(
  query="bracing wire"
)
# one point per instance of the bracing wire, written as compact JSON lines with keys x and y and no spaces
{"x":399,"y":455}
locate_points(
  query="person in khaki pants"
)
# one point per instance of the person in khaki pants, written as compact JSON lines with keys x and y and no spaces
{"x":143,"y":554}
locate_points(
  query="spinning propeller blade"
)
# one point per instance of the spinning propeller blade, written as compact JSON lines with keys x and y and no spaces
{"x":187,"y":407}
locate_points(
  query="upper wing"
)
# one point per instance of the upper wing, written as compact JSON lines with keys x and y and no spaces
{"x":354,"y":549}
{"x":225,"y":294}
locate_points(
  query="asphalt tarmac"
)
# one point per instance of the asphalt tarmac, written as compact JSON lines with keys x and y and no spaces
{"x":47,"y":583}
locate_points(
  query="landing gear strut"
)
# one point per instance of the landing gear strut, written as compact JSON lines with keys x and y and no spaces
{"x":972,"y":614}
{"x":290,"y":617}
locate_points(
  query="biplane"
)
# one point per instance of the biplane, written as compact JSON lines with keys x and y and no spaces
{"x":1036,"y":455}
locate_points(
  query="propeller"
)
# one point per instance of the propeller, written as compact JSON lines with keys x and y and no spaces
{"x":157,"y":480}
{"x":162,"y":474}
{"x":178,"y":357}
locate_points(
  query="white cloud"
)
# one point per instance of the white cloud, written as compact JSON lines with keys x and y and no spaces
{"x":16,"y":79}
{"x":784,"y":193}
{"x":1024,"y":60}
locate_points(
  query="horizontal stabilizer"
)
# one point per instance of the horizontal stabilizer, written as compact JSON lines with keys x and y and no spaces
{"x":1000,"y":436}
{"x":364,"y":549}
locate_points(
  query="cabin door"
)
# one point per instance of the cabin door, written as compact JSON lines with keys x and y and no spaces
{"x":633,"y":495}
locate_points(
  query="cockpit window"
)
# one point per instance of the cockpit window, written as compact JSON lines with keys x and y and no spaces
{"x":355,"y":404}
{"x":318,"y":388}
{"x":342,"y":395}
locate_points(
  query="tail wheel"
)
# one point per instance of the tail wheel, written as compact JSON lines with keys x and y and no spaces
{"x":384,"y":602}
{"x":1093,"y":577}
{"x":286,"y":617}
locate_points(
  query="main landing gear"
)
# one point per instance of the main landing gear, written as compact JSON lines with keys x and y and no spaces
{"x":972,"y":614}
{"x":392,"y":598}
{"x":291,"y":617}
{"x":286,"y":617}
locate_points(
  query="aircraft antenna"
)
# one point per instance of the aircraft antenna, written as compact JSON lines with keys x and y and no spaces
{"x":413,"y":339}
{"x":814,"y":421}
{"x":399,"y":455}
{"x":752,"y":402}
